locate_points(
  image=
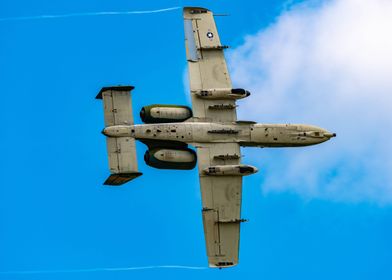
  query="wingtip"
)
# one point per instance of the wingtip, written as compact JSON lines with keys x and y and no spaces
{"x":194,"y":10}
{"x":222,"y":265}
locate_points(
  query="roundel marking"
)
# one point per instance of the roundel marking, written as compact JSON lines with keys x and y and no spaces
{"x":210,"y":35}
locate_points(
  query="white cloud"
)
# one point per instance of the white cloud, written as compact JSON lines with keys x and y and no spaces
{"x":328,"y":65}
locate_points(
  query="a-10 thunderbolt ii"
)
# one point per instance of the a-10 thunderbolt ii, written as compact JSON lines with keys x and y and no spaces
{"x":211,"y":127}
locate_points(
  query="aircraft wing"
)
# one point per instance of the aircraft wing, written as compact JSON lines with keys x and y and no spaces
{"x":207,"y":66}
{"x":221,"y":199}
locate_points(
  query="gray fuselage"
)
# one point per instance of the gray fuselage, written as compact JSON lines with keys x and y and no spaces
{"x":246,"y":134}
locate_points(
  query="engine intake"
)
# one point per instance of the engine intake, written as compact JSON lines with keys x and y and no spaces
{"x":165,"y":158}
{"x":158,"y":113}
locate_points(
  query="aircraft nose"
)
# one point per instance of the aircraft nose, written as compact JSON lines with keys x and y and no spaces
{"x":330,"y":135}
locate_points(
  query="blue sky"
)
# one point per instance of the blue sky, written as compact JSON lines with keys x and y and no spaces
{"x":56,"y":215}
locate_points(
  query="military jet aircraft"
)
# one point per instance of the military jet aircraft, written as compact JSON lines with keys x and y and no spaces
{"x":211,"y":126}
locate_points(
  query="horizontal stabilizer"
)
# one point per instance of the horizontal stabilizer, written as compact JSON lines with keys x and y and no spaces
{"x":117,"y":105}
{"x":121,"y":178}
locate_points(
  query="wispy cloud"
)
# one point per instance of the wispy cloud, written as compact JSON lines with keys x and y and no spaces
{"x":328,"y":64}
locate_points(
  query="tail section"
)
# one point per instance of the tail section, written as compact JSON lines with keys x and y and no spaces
{"x":121,"y":150}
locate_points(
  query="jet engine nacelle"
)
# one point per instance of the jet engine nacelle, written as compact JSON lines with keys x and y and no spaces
{"x":158,"y":113}
{"x":169,"y":158}
{"x":222,"y":93}
{"x":234,"y":170}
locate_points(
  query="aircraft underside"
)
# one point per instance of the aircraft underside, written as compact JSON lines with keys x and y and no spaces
{"x":207,"y":135}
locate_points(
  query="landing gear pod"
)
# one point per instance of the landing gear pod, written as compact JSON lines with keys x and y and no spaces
{"x":233,"y":170}
{"x":158,"y":113}
{"x":222,"y":93}
{"x":165,"y":158}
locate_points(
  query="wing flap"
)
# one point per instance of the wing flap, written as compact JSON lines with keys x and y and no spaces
{"x":211,"y":231}
{"x":192,"y":53}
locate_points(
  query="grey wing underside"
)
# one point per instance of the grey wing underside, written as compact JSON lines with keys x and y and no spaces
{"x":221,"y":199}
{"x":206,"y":65}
